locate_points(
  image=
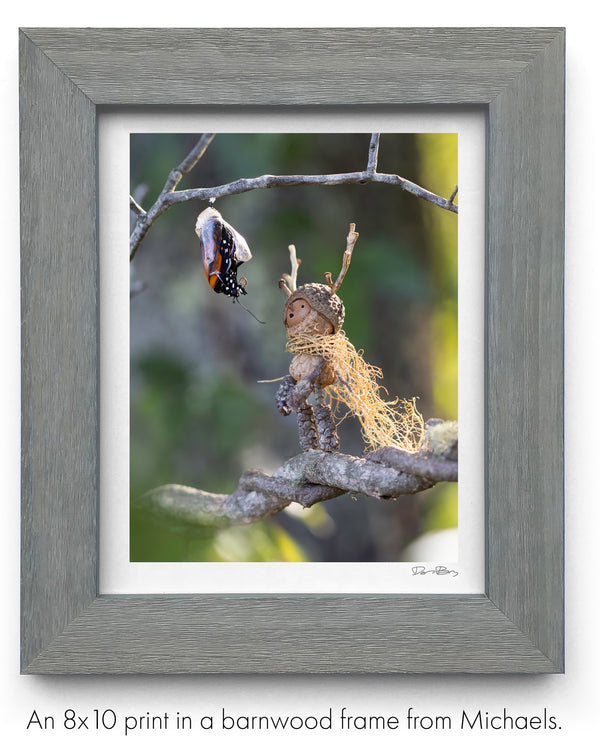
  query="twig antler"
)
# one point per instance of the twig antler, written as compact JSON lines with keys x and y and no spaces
{"x":288,"y":282}
{"x":350,"y":242}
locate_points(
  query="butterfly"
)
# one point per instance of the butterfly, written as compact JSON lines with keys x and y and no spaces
{"x":223,"y":252}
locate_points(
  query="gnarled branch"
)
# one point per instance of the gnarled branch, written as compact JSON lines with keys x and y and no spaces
{"x":307,"y":479}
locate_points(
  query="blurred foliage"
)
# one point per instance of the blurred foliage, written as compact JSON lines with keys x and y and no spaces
{"x":439,"y":168}
{"x":198,"y":415}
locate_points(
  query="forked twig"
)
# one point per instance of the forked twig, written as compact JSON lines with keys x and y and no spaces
{"x":146,"y":219}
{"x":288,"y":282}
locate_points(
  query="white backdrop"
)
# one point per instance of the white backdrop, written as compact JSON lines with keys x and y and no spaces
{"x":573,"y":697}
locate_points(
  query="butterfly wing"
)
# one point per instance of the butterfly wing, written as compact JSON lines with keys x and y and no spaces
{"x":208,"y":229}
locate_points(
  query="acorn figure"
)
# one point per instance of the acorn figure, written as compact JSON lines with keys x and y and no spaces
{"x":312,"y":310}
{"x":327,"y":365}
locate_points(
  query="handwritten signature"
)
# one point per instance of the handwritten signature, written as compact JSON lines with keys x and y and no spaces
{"x":439,"y":570}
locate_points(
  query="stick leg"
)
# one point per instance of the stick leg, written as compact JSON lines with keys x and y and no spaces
{"x":284,"y":392}
{"x":326,"y":429}
{"x":307,"y":429}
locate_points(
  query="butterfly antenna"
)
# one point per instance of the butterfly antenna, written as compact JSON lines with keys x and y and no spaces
{"x":248,"y":311}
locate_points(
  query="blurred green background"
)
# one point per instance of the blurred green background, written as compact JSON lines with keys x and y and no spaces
{"x":198,"y":415}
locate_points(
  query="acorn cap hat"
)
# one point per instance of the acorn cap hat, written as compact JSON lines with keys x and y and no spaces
{"x":323,"y":300}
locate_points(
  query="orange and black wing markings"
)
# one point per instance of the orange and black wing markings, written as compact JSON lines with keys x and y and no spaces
{"x":223,"y":251}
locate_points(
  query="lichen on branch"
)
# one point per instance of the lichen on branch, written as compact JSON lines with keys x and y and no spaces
{"x":309,"y":478}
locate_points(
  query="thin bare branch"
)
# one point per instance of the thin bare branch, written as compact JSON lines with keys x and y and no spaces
{"x":307,"y":479}
{"x":188,"y":163}
{"x":169,"y":196}
{"x":270,"y":181}
{"x":135,"y":206}
{"x":146,"y":219}
{"x":373,"y":153}
{"x":453,"y":196}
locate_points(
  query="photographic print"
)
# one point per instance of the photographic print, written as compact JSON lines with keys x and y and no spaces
{"x":293,"y":347}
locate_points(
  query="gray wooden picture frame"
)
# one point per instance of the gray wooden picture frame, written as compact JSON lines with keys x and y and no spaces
{"x":66,"y":77}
